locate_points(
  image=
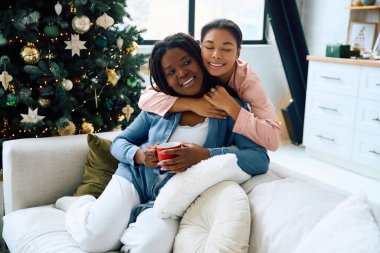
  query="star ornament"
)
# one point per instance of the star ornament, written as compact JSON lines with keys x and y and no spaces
{"x":32,"y":116}
{"x":75,"y":44}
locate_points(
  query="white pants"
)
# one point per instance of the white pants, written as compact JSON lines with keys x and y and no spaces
{"x":150,"y":234}
{"x":98,"y":224}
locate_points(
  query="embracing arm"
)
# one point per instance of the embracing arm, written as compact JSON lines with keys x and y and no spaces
{"x":160,"y":103}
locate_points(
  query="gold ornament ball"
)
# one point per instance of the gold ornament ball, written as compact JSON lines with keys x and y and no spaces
{"x":44,"y":102}
{"x":30,"y":54}
{"x":113,"y":77}
{"x":87,"y":128}
{"x":81,"y":24}
{"x":133,"y":49}
{"x":69,"y":130}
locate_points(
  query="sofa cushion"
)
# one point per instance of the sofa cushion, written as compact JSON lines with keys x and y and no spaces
{"x":184,"y":187}
{"x":38,"y":229}
{"x":217,"y":221}
{"x":285,"y":211}
{"x":99,"y":167}
{"x":348,"y":228}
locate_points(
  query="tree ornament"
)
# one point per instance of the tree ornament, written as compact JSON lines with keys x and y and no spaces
{"x":75,"y":44}
{"x":140,"y":39}
{"x":108,"y":104}
{"x":133,"y":49}
{"x":5,"y":78}
{"x":98,"y":121}
{"x":11,"y":100}
{"x":58,"y":8}
{"x":44,"y":102}
{"x":81,"y":24}
{"x":30,"y":54}
{"x":51,"y":31}
{"x":101,"y":41}
{"x":32,"y":116}
{"x":68,"y":130}
{"x":128,"y":110}
{"x":105,"y":21}
{"x":131,"y":81}
{"x":3,"y":40}
{"x":67,"y":84}
{"x":119,"y":42}
{"x":87,"y":128}
{"x":113,"y":77}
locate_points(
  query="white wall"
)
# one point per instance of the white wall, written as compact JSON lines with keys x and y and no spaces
{"x":324,"y":22}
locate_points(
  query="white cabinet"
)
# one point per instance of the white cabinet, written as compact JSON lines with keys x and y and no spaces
{"x":342,"y":113}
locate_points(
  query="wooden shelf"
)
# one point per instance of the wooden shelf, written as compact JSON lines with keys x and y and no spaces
{"x":366,"y":7}
{"x":362,"y":62}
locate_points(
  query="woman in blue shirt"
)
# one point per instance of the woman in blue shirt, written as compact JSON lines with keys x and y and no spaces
{"x":176,"y":69}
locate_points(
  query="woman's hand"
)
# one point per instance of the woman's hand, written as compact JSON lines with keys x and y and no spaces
{"x":147,"y":156}
{"x":221,"y":99}
{"x":199,"y":106}
{"x":186,"y":156}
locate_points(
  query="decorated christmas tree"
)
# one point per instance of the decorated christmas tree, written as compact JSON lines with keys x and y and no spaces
{"x":67,"y":67}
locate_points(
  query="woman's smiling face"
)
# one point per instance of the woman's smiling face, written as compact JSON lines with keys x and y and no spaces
{"x":219,"y":53}
{"x":182,"y":72}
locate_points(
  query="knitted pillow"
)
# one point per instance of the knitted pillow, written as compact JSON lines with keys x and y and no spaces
{"x":99,"y":167}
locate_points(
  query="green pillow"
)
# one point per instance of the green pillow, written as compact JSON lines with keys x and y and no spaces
{"x":99,"y":167}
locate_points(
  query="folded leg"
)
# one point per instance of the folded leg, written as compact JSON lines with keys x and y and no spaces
{"x":150,"y":234}
{"x":98,"y":224}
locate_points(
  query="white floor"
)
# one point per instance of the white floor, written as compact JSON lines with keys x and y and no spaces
{"x":295,"y":158}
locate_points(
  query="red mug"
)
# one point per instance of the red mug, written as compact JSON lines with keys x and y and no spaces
{"x":165,"y":146}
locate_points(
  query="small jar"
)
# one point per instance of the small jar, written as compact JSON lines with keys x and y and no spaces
{"x":368,"y":2}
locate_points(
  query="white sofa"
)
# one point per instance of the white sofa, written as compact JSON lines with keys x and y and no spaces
{"x":289,"y":212}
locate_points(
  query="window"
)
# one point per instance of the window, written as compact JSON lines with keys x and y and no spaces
{"x":164,"y":17}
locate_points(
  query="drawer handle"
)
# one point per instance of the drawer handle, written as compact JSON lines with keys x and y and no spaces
{"x":325,"y":138}
{"x":331,"y":78}
{"x":374,"y":152}
{"x":328,"y":108}
{"x":378,"y":84}
{"x":376,"y":119}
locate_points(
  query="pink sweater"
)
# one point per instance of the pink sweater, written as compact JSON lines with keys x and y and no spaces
{"x":259,"y":124}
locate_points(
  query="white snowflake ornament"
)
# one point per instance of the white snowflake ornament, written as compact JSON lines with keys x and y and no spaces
{"x":31,"y":117}
{"x":75,"y":44}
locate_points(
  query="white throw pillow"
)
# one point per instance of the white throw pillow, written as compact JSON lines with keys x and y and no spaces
{"x":285,"y":211}
{"x":349,"y":228}
{"x":183,"y":188}
{"x":217,"y":221}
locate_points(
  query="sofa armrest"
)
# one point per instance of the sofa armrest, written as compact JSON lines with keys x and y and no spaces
{"x":37,"y":171}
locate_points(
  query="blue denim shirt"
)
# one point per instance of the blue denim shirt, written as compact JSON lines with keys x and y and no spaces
{"x":150,"y":129}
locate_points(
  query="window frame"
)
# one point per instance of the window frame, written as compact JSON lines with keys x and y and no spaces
{"x":191,"y":27}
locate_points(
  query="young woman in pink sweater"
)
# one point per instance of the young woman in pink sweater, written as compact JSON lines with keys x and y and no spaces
{"x":221,"y":41}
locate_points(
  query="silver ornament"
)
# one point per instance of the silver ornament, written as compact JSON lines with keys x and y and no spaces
{"x":58,"y":8}
{"x":67,"y":84}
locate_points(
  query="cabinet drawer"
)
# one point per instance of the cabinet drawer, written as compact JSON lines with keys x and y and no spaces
{"x":368,"y":116}
{"x":334,"y":109}
{"x":329,"y":139}
{"x":334,"y":78}
{"x":366,"y":150}
{"x":370,"y":83}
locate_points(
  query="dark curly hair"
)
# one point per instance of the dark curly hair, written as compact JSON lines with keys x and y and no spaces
{"x":188,"y":44}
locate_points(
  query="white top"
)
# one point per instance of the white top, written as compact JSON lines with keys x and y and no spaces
{"x":192,"y":134}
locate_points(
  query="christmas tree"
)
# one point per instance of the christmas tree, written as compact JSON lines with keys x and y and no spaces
{"x":67,"y":67}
